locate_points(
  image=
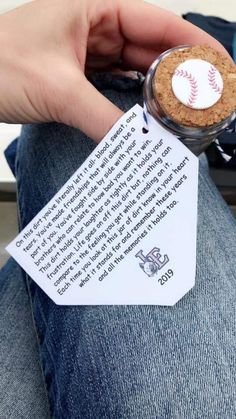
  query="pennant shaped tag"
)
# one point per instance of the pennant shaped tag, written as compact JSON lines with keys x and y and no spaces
{"x":122,"y":230}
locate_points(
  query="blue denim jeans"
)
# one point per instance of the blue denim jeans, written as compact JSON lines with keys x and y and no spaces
{"x":133,"y":362}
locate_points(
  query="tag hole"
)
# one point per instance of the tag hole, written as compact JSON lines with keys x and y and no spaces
{"x":145,"y":130}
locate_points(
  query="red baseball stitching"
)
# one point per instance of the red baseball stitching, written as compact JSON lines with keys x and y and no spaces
{"x":193,"y":85}
{"x":212,"y":80}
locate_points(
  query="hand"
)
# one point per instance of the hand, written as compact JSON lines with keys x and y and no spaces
{"x":46,"y":47}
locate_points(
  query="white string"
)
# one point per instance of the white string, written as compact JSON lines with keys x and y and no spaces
{"x":145,"y":117}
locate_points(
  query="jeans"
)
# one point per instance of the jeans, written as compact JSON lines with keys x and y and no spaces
{"x":133,"y":362}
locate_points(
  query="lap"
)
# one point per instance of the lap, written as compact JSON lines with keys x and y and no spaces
{"x":134,"y":361}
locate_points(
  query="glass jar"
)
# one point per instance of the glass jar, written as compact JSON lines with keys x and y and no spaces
{"x":197,"y":139}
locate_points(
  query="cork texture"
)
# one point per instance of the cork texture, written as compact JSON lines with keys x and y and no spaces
{"x":162,"y":87}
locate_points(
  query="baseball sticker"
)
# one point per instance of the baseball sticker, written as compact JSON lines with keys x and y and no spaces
{"x":197,"y":84}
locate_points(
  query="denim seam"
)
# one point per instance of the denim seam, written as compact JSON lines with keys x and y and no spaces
{"x":26,"y":278}
{"x":25,"y":275}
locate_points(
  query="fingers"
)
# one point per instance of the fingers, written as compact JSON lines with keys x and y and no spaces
{"x":147,"y":26}
{"x":138,"y":58}
{"x":90,"y":111}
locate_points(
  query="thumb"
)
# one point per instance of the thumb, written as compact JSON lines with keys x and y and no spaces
{"x":90,"y":111}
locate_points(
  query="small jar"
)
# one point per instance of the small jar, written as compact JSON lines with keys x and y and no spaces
{"x":196,"y":138}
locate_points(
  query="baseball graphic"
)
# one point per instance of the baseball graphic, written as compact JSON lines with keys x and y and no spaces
{"x":197,"y":84}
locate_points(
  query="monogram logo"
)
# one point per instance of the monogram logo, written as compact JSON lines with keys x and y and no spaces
{"x":152,"y":262}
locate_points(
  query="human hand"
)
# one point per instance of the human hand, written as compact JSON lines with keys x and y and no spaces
{"x":46,"y":47}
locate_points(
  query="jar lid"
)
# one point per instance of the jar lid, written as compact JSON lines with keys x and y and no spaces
{"x":192,"y":86}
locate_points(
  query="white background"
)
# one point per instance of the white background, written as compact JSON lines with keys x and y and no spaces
{"x":8,"y":224}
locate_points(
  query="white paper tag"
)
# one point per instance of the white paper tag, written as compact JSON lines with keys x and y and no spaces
{"x":122,"y":230}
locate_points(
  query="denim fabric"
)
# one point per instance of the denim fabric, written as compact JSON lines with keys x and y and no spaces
{"x":10,"y":154}
{"x":134,"y":362}
{"x":22,"y":391}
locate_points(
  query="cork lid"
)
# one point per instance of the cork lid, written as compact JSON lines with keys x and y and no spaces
{"x":196,"y":86}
